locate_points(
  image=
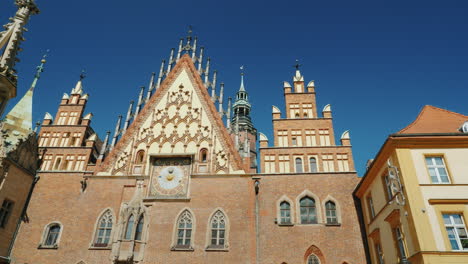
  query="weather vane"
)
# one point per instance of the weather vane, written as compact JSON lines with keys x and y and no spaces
{"x":82,"y":75}
{"x":297,"y":64}
{"x":242,"y":69}
{"x":189,"y":32}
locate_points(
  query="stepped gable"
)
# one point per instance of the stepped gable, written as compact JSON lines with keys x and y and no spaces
{"x":141,"y":130}
{"x":432,"y":119}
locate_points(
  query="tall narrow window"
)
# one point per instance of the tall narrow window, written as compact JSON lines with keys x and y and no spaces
{"x":284,"y":163}
{"x":282,"y":138}
{"x":104,"y":230}
{"x":456,"y":231}
{"x":437,"y":170}
{"x":5,"y":212}
{"x":65,"y":139}
{"x":328,"y":163}
{"x":330,"y":209}
{"x":270,"y":164}
{"x":342,"y":160}
{"x":285,"y":213}
{"x":370,"y":205}
{"x":184,"y":230}
{"x":46,"y":162}
{"x":313,"y":165}
{"x":139,"y":228}
{"x":400,"y":242}
{"x":218,"y":230}
{"x":296,"y":139}
{"x":324,"y":137}
{"x":53,"y":233}
{"x":378,"y":251}
{"x":129,"y":229}
{"x":388,"y":187}
{"x":313,"y":259}
{"x":311,"y":139}
{"x":299,"y":165}
{"x":62,"y":118}
{"x":58,"y":163}
{"x":308,"y":211}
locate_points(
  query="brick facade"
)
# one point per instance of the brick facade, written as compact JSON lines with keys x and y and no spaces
{"x":74,"y":199}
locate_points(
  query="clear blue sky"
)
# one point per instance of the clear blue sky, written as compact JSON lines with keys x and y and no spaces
{"x":377,"y":62}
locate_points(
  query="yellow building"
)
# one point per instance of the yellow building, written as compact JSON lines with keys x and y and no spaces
{"x":414,"y":195}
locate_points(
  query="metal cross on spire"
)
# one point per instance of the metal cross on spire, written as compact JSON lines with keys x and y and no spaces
{"x":189,"y":36}
{"x":39,"y":70}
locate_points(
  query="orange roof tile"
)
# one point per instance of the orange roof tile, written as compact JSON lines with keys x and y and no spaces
{"x":432,"y":119}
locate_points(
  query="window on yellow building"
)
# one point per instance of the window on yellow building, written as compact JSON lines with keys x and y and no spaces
{"x":370,"y":205}
{"x":437,"y":170}
{"x":456,"y":231}
{"x":379,"y":253}
{"x":400,"y":243}
{"x":388,"y":187}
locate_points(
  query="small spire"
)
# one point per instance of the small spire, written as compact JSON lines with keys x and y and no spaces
{"x":40,"y":69}
{"x":242,"y":88}
{"x":150,"y":87}
{"x":19,"y":120}
{"x":104,"y":145}
{"x":116,"y":131}
{"x":79,"y":85}
{"x":140,"y":100}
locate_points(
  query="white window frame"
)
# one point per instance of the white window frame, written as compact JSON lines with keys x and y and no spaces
{"x":455,"y":228}
{"x":436,"y":169}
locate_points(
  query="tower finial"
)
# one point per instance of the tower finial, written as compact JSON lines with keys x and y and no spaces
{"x":40,"y":69}
{"x":189,"y":36}
{"x":82,"y":74}
{"x":298,"y":77}
{"x":242,"y":88}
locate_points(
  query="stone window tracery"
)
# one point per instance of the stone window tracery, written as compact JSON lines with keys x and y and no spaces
{"x":184,"y":230}
{"x":104,"y":230}
{"x":218,"y":226}
{"x":139,"y":228}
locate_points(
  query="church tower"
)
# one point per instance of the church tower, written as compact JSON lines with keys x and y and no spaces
{"x":18,"y":165}
{"x":10,"y":41}
{"x":243,"y":131}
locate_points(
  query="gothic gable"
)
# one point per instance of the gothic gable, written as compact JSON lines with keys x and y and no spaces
{"x":179,"y":119}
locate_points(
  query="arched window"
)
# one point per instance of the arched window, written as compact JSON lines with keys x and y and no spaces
{"x":297,"y":115}
{"x":299,"y":165}
{"x":285,"y":213}
{"x":203,"y":155}
{"x":218,"y":230}
{"x":305,"y":114}
{"x":139,"y":228}
{"x":313,"y":259}
{"x":129,"y":229}
{"x":313,"y":165}
{"x":308,"y":211}
{"x":140,"y":157}
{"x":184,"y":230}
{"x":53,"y":233}
{"x":104,"y":230}
{"x":330,"y":209}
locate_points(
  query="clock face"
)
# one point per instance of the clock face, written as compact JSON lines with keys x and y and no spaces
{"x":170,"y":177}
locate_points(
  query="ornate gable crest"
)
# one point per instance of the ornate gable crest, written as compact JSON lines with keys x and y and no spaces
{"x":179,"y":119}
